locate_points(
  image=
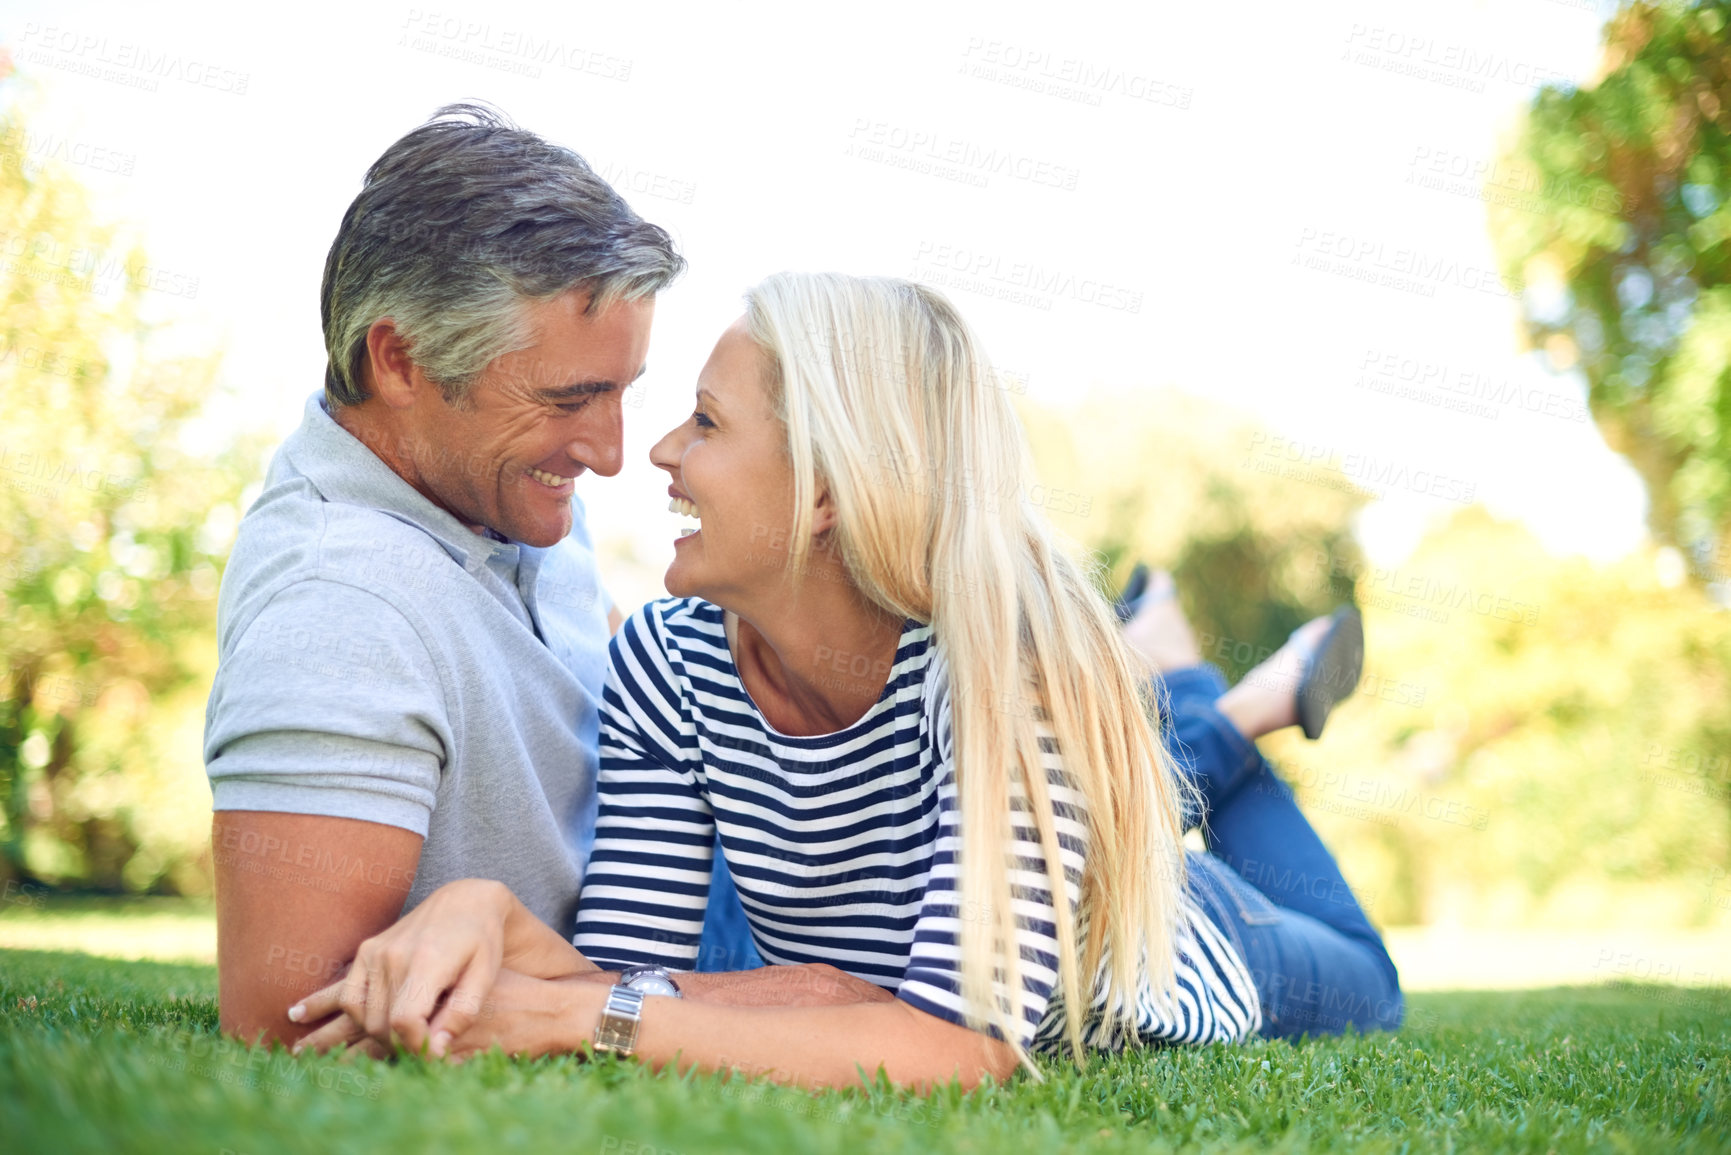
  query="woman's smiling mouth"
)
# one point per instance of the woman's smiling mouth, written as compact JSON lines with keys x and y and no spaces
{"x":687,"y":507}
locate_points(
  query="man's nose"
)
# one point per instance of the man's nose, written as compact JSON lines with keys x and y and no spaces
{"x":601,"y":446}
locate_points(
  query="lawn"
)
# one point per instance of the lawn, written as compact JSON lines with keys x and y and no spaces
{"x":105,"y":1055}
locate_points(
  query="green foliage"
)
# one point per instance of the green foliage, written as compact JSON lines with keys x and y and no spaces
{"x":1628,"y":261}
{"x":1183,"y":485}
{"x":98,"y":1055}
{"x":114,"y":521}
{"x":1536,"y":740}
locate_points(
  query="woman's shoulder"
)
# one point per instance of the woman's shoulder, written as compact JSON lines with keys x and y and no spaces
{"x":670,"y":624}
{"x":664,"y":641}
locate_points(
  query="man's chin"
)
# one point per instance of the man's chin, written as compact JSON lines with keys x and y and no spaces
{"x":540,"y":534}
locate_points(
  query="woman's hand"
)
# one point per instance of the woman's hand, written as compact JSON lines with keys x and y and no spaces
{"x":522,"y":1014}
{"x":424,"y":981}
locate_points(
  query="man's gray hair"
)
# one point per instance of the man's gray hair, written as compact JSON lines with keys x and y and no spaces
{"x":459,"y":226}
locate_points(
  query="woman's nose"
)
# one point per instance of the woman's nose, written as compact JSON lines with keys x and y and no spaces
{"x":664,"y":453}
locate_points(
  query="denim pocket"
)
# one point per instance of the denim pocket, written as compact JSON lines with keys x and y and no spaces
{"x":1254,"y":908}
{"x":1229,"y":901}
{"x":1248,"y":920}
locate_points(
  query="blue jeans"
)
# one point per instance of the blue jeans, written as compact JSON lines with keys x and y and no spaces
{"x":1269,"y":883}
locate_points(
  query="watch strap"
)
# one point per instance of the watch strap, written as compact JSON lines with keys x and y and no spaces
{"x":620,"y":1017}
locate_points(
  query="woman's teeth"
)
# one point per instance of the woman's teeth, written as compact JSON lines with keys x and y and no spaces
{"x":551,"y":480}
{"x":688,"y":508}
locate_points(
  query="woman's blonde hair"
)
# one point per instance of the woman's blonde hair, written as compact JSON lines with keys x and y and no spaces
{"x":890,"y":402}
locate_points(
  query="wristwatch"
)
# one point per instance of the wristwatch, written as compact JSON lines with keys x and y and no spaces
{"x":620,"y":1018}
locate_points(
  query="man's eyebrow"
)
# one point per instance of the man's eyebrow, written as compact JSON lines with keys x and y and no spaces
{"x":582,"y":388}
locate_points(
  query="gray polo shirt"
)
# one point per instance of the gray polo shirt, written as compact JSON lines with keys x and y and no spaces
{"x":379,"y":660}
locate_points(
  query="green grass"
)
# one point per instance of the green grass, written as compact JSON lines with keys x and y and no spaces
{"x":178,"y":929}
{"x":103,"y":1055}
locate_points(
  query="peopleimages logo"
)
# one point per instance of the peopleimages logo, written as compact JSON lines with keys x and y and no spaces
{"x":1066,"y":77}
{"x":1452,"y":65}
{"x":1393,"y":266}
{"x":1467,"y":390}
{"x":1024,"y":281}
{"x":1327,"y":466}
{"x":45,"y":257}
{"x":920,"y":149}
{"x":504,"y":48}
{"x":136,"y":65}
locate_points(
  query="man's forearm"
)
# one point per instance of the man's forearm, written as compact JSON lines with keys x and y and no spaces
{"x":283,"y":933}
{"x":809,"y":985}
{"x":783,"y":986}
{"x":810,"y":1046}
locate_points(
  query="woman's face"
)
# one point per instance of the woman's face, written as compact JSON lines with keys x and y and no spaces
{"x":729,"y":467}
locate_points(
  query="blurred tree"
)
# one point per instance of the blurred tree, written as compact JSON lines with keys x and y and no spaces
{"x":1627,"y":260}
{"x":1539,"y":740}
{"x":114,"y":521}
{"x":1536,"y":740}
{"x":1197,"y":489}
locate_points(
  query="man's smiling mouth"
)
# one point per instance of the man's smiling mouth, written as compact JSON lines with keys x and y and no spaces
{"x":550,"y":480}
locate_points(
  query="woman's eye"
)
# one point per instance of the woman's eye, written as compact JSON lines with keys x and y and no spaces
{"x":702,"y":420}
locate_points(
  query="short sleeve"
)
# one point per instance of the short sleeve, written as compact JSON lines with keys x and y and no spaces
{"x":647,"y":887}
{"x":328,"y":702}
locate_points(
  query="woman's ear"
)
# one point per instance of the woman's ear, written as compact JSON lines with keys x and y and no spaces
{"x":823,"y":516}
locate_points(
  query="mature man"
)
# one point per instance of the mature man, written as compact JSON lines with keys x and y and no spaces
{"x":412,"y":633}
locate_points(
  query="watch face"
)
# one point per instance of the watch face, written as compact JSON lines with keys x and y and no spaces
{"x":653,"y":985}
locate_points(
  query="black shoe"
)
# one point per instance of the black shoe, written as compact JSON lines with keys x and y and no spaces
{"x":1125,"y":606}
{"x":1333,"y":670}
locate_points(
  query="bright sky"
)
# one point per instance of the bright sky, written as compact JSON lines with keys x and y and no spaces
{"x":1273,"y":205}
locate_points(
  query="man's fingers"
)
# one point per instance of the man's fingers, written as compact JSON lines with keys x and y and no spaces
{"x":464,"y":1006}
{"x":340,"y":1030}
{"x":371,"y":1048}
{"x":321,"y":1004}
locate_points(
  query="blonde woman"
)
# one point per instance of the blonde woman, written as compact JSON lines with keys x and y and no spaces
{"x":913,"y":724}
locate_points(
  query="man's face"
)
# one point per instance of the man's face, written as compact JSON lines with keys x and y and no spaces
{"x":534,"y":420}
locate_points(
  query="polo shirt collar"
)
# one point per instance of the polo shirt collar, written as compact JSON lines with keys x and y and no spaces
{"x":344,"y":470}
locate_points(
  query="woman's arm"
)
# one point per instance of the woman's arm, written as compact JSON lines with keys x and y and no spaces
{"x":803,"y":1046}
{"x":456,"y":941}
{"x":469,"y":932}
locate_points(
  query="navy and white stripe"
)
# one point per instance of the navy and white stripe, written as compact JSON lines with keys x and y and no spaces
{"x":844,"y":847}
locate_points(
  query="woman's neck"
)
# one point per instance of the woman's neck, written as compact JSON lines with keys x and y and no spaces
{"x":819,"y":662}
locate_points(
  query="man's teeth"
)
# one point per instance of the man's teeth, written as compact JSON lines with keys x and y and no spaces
{"x":680,"y":505}
{"x":549,"y":479}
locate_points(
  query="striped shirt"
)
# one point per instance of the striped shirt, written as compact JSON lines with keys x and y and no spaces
{"x":844,"y":846}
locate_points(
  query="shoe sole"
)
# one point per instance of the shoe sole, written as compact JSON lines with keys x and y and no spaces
{"x":1333,"y":673}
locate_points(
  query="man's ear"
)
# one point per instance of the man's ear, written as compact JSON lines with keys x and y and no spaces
{"x":392,"y":374}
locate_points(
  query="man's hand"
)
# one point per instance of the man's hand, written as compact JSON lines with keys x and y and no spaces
{"x":523,"y":1014}
{"x":296,"y":894}
{"x":425,"y":980}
